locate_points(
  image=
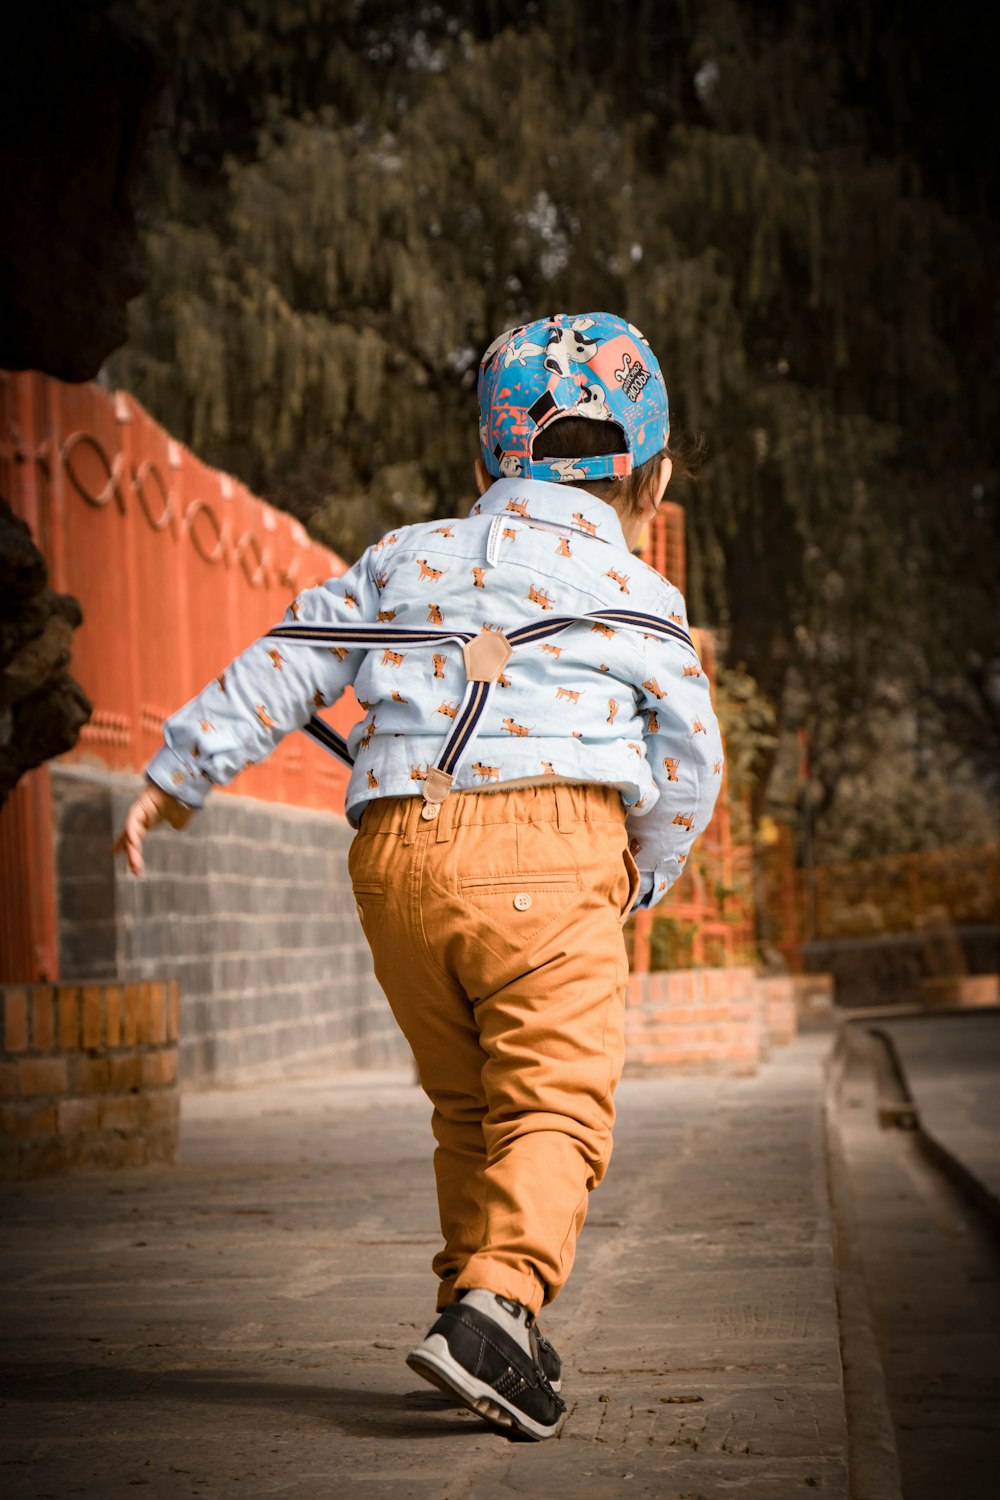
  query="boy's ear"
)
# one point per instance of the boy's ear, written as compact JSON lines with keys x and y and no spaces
{"x":663,"y":473}
{"x":483,"y":477}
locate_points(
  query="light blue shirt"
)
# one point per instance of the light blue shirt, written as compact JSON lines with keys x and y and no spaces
{"x":595,"y":703}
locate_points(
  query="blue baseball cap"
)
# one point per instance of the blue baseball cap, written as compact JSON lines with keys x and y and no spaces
{"x":593,"y":365}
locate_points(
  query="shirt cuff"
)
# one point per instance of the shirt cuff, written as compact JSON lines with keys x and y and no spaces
{"x":655,"y":885}
{"x":172,"y":773}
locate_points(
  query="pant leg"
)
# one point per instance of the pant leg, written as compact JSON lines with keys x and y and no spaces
{"x":437,"y":1020}
{"x":548,"y":980}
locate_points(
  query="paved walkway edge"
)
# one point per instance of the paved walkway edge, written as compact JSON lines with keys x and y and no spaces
{"x":871,"y":1438}
{"x":968,"y":1184}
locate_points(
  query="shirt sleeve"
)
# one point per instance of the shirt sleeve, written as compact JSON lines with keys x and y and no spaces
{"x":684,"y":750}
{"x":273,"y":687}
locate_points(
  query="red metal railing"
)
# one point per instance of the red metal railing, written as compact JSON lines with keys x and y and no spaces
{"x":177,"y":567}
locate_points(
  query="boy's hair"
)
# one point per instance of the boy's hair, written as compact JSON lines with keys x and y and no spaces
{"x":581,"y":437}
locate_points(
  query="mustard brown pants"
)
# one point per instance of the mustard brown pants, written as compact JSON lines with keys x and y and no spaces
{"x":496,"y":933}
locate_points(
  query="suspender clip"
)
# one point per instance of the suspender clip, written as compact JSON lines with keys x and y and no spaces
{"x":486,"y":655}
{"x":437,"y":785}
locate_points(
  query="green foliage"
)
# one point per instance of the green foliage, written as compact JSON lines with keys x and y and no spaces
{"x":671,"y":945}
{"x":355,"y":198}
{"x":749,"y":721}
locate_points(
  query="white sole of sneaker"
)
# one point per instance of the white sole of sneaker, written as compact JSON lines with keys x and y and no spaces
{"x":435,"y":1362}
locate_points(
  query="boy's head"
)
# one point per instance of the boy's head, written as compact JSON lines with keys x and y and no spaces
{"x":596,"y":374}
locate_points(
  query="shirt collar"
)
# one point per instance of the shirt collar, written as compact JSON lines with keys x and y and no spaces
{"x":557,"y":504}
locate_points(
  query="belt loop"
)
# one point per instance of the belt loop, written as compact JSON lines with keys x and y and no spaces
{"x":410,"y":820}
{"x":564,"y":809}
{"x":446,"y":817}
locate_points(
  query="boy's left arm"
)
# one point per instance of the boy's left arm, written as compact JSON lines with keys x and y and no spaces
{"x":270,"y":689}
{"x":684,"y":750}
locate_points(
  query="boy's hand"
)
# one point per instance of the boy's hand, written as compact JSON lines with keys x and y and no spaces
{"x":151,"y":807}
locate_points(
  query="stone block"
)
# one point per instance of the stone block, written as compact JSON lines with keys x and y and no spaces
{"x":74,"y":1116}
{"x":91,"y":997}
{"x":27,"y":1121}
{"x":144,"y":1014}
{"x":42,"y":1075}
{"x":88,"y":950}
{"x":174,"y":1012}
{"x":89,"y":1075}
{"x":43,"y":1014}
{"x":119,"y":1112}
{"x":158,"y":1068}
{"x":88,"y":899}
{"x":41,"y":1158}
{"x":15,"y":1020}
{"x":158,"y":999}
{"x":130,"y":1015}
{"x":124,"y":1072}
{"x":112,"y":1001}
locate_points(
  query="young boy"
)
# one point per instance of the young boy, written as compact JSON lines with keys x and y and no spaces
{"x":520,"y":785}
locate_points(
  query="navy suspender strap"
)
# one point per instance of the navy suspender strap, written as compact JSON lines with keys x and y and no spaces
{"x":358,"y":637}
{"x":485,"y":654}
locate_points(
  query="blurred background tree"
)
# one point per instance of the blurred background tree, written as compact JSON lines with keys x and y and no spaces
{"x":795,"y":200}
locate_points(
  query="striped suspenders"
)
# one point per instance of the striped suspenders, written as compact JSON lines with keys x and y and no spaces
{"x":485,"y":654}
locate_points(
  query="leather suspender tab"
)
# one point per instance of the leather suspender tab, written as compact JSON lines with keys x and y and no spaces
{"x":486,"y":655}
{"x":437,"y":785}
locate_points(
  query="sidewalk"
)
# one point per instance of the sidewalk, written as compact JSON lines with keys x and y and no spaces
{"x":237,"y":1326}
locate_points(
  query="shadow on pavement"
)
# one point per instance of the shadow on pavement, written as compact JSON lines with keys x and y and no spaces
{"x":362,"y":1413}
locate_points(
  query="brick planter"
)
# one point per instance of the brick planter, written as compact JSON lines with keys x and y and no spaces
{"x":779,"y":1008}
{"x":960,"y":991}
{"x":695,"y":1021}
{"x":88,"y":1076}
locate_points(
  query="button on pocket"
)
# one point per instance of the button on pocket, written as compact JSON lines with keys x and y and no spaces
{"x":369,"y":897}
{"x":522,"y":901}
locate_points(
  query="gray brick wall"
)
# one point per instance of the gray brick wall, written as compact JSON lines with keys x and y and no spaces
{"x":250,"y":908}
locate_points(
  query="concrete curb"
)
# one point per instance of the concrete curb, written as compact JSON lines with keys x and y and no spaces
{"x":968,"y":1184}
{"x":872,"y":1455}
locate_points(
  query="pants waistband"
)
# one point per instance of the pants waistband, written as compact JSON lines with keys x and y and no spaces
{"x":564,"y":804}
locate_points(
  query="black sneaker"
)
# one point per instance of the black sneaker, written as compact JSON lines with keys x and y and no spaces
{"x":544,"y":1351}
{"x":548,"y":1358}
{"x":468,"y":1354}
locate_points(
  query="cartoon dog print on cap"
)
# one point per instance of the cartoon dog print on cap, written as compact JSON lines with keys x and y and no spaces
{"x":593,"y":403}
{"x":567,"y":469}
{"x":517,"y":354}
{"x":569,"y":346}
{"x":499,"y":341}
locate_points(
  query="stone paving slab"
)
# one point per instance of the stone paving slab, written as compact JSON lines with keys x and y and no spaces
{"x":237,"y":1326}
